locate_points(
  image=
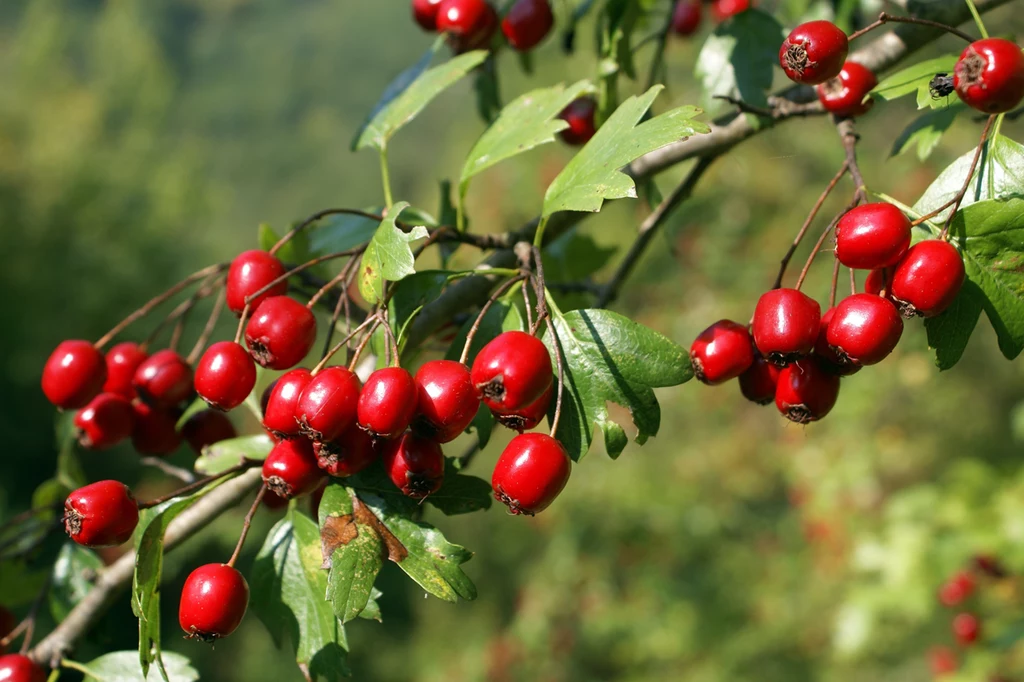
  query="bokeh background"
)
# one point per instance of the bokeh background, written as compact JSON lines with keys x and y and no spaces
{"x":141,"y":140}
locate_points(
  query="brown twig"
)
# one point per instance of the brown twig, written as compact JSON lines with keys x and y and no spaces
{"x":200,"y":484}
{"x":814,"y":253}
{"x":958,"y":199}
{"x":344,"y":342}
{"x":246,"y":524}
{"x":885,"y":18}
{"x":211,"y":324}
{"x":835,"y":283}
{"x":483,"y":311}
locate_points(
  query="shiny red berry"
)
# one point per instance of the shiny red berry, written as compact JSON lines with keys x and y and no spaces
{"x":101,"y":514}
{"x":721,"y":352}
{"x":989,"y":76}
{"x":530,"y":473}
{"x":153,"y":432}
{"x":723,"y":9}
{"x":468,"y":23}
{"x":686,"y":17}
{"x":846,"y":95}
{"x":290,"y":470}
{"x":387,"y":402}
{"x":104,"y":422}
{"x":872,"y":236}
{"x":580,"y":117}
{"x":530,"y":416}
{"x":213,"y":602}
{"x":447,"y":400}
{"x":785,"y":325}
{"x":279,"y":414}
{"x":122,"y":361}
{"x":806,"y":391}
{"x":425,"y":13}
{"x":832,"y":361}
{"x":250,"y":272}
{"x":414,"y":464}
{"x":814,"y":52}
{"x":526,"y":23}
{"x":280,"y":333}
{"x":207,"y":427}
{"x":163,"y":379}
{"x":928,"y":278}
{"x":877,"y":281}
{"x":327,"y":406}
{"x":957,"y":589}
{"x":966,"y":628}
{"x":942,"y":661}
{"x":512,"y":371}
{"x":864,"y":329}
{"x":757,"y":384}
{"x":74,"y":374}
{"x":225,"y":375}
{"x":18,"y":668}
{"x":348,"y":454}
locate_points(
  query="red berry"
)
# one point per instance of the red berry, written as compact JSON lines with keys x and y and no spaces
{"x":526,"y":23}
{"x":580,"y":117}
{"x":74,"y":374}
{"x":814,"y":52}
{"x":758,"y":383}
{"x":512,"y":371}
{"x":225,"y":375}
{"x":279,"y":414}
{"x":990,"y":566}
{"x":966,"y":627}
{"x":414,"y":464}
{"x":531,"y":415}
{"x":531,"y":471}
{"x":18,"y":668}
{"x":723,"y":9}
{"x":101,"y":514}
{"x":213,"y":602}
{"x":447,"y":400}
{"x":122,"y":361}
{"x":943,"y":661}
{"x":785,"y":325}
{"x":830,"y":359}
{"x":250,"y":272}
{"x":104,"y":422}
{"x":327,"y":405}
{"x":872,"y":236}
{"x":280,"y":333}
{"x":864,"y":329}
{"x":806,"y":391}
{"x":350,"y":453}
{"x":721,"y":352}
{"x":928,"y":278}
{"x":990,"y":75}
{"x":958,"y":588}
{"x":387,"y":402}
{"x":425,"y":13}
{"x":846,"y":95}
{"x":290,"y":469}
{"x":468,"y":23}
{"x":163,"y":379}
{"x":686,"y":17}
{"x":154,"y":432}
{"x":207,"y":427}
{"x":7,"y":624}
{"x":877,"y":281}
{"x":272,"y":500}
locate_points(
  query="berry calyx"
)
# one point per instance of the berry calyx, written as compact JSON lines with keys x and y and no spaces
{"x":424,"y":12}
{"x":280,"y":333}
{"x":387,"y":402}
{"x":531,"y":471}
{"x":225,"y":375}
{"x":447,"y":400}
{"x":468,"y":23}
{"x":101,"y":514}
{"x":846,"y":95}
{"x":966,"y":628}
{"x":928,"y":278}
{"x":104,"y":422}
{"x":18,"y":668}
{"x":989,"y":76}
{"x":327,"y":406}
{"x":580,"y":117}
{"x":531,"y":415}
{"x":154,"y":432}
{"x":163,"y":379}
{"x":957,"y":589}
{"x":832,"y":361}
{"x":806,"y":391}
{"x":207,"y":427}
{"x":213,"y":602}
{"x":74,"y":374}
{"x":757,"y":384}
{"x":122,"y":360}
{"x":291,"y":470}
{"x":864,"y":329}
{"x":686,"y":17}
{"x":527,"y":23}
{"x":249,"y":272}
{"x":348,"y":454}
{"x":414,"y":464}
{"x":814,"y":52}
{"x":872,"y":236}
{"x":512,"y":371}
{"x":721,"y":352}
{"x":785,"y":325}
{"x":279,"y":413}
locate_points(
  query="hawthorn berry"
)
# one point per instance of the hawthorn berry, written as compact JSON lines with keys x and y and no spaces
{"x":74,"y":374}
{"x":531,"y":415}
{"x":213,"y":602}
{"x":122,"y":360}
{"x":447,"y":400}
{"x":280,"y":333}
{"x":928,"y":278}
{"x":814,"y":52}
{"x":966,"y":628}
{"x":723,"y":9}
{"x":348,"y":454}
{"x":957,"y":589}
{"x":250,"y":271}
{"x":414,"y":464}
{"x":387,"y":402}
{"x":163,"y":379}
{"x":872,"y":236}
{"x":580,"y":117}
{"x":526,"y":23}
{"x":831,"y":360}
{"x":877,"y":281}
{"x":425,"y":13}
{"x":512,"y":371}
{"x":686,"y":17}
{"x":531,"y":471}
{"x":989,"y":76}
{"x":279,"y":413}
{"x":468,"y":23}
{"x":785,"y":325}
{"x":327,"y":406}
{"x":104,"y":422}
{"x":942,"y":661}
{"x":290,"y":470}
{"x":721,"y":352}
{"x":225,"y":375}
{"x":101,"y":514}
{"x":806,"y":391}
{"x":154,"y":431}
{"x":864,"y":329}
{"x":846,"y":95}
{"x":207,"y":427}
{"x":18,"y":668}
{"x":757,"y":384}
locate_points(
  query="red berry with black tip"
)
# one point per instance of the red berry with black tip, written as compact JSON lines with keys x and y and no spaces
{"x":154,"y":430}
{"x":989,"y":76}
{"x":163,"y":379}
{"x":526,"y":23}
{"x":846,"y":95}
{"x":280,"y":333}
{"x":872,"y":236}
{"x":957,"y":589}
{"x":327,"y":406}
{"x":723,"y":9}
{"x":468,"y":23}
{"x":831,"y":360}
{"x":530,"y":416}
{"x":966,"y":628}
{"x":686,"y":17}
{"x":512,"y":371}
{"x":74,"y":374}
{"x":530,"y":473}
{"x":721,"y":352}
{"x":414,"y":464}
{"x":18,"y":668}
{"x":207,"y":427}
{"x":101,"y":514}
{"x":425,"y":13}
{"x":225,"y":375}
{"x":928,"y":279}
{"x":250,"y":272}
{"x":814,"y":52}
{"x":864,"y":329}
{"x":290,"y":470}
{"x":757,"y":384}
{"x":580,"y":117}
{"x":348,"y":454}
{"x":785,"y":325}
{"x":122,"y":361}
{"x":806,"y":391}
{"x":387,"y":402}
{"x":104,"y":422}
{"x":447,"y":400}
{"x":213,"y":602}
{"x":279,"y":414}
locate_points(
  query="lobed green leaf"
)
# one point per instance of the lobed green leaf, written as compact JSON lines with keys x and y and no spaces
{"x":738,"y":59}
{"x":123,"y":666}
{"x":388,"y":256}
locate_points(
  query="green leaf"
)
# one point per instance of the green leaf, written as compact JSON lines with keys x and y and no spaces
{"x":738,"y":60}
{"x":372,"y":610}
{"x":123,"y":666}
{"x":340,"y":233}
{"x":460,"y":493}
{"x":412,"y":293}
{"x":611,"y":359}
{"x":20,"y":582}
{"x":406,"y":97}
{"x":926,"y":131}
{"x":483,"y":425}
{"x":74,"y":574}
{"x":500,"y":317}
{"x":574,"y":256}
{"x":914,"y":78}
{"x":594,"y":174}
{"x":353,"y":550}
{"x":225,"y":454}
{"x":388,"y":256}
{"x":949,"y":332}
{"x":488,"y":90}
{"x":999,"y":174}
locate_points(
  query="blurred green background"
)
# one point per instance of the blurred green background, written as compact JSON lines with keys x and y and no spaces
{"x":140,"y":141}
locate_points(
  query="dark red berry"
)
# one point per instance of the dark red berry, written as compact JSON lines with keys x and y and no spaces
{"x":806,"y":391}
{"x":527,"y":23}
{"x":101,"y":514}
{"x":104,"y":422}
{"x":225,"y":375}
{"x":280,"y":333}
{"x":74,"y":374}
{"x":447,"y":400}
{"x":213,"y":602}
{"x":686,"y":17}
{"x":154,"y":432}
{"x":814,"y":52}
{"x":928,"y":278}
{"x":327,"y":406}
{"x":990,"y":566}
{"x":290,"y":470}
{"x":530,"y":473}
{"x":468,"y":23}
{"x":580,"y":117}
{"x":864,"y":329}
{"x":872,"y":236}
{"x":942,"y":661}
{"x":163,"y":379}
{"x":957,"y":589}
{"x":785,"y":325}
{"x":512,"y":371}
{"x":279,"y":414}
{"x":414,"y":464}
{"x":831,"y":360}
{"x":531,"y":415}
{"x":758,"y":383}
{"x":877,"y":281}
{"x":721,"y":352}
{"x":723,"y":9}
{"x":122,"y":361}
{"x":272,"y":500}
{"x":207,"y":427}
{"x":18,"y":668}
{"x":425,"y":13}
{"x":990,"y":75}
{"x":387,"y":402}
{"x":250,"y":272}
{"x":846,"y":95}
{"x":348,"y":454}
{"x":966,"y":628}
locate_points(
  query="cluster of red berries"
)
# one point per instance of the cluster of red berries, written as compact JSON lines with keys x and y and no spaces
{"x":470,"y":24}
{"x":15,"y":667}
{"x":794,"y":355}
{"x":687,"y":14}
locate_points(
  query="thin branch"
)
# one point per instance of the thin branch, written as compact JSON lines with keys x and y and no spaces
{"x":211,"y":324}
{"x":849,"y":136}
{"x":885,"y":18}
{"x":200,"y":484}
{"x":246,"y":524}
{"x":483,"y":311}
{"x":814,"y":253}
{"x":183,"y":475}
{"x":958,"y":199}
{"x":784,"y":263}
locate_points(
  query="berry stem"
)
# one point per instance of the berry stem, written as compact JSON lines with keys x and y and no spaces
{"x":814,"y":253}
{"x":885,"y":18}
{"x":204,"y":337}
{"x":33,"y":612}
{"x":207,"y":288}
{"x":560,"y":365}
{"x":393,"y":354}
{"x":330,"y":285}
{"x":13,"y":634}
{"x":853,"y":281}
{"x":319,"y":215}
{"x":344,"y":303}
{"x":784,"y":263}
{"x":247,"y":524}
{"x":658,"y":59}
{"x":199,"y":484}
{"x":483,"y":311}
{"x":527,"y":304}
{"x":344,"y":342}
{"x":849,"y":136}
{"x":958,"y":199}
{"x":385,"y":176}
{"x":977,"y":18}
{"x":835,"y":283}
{"x":362,"y":344}
{"x":538,"y":237}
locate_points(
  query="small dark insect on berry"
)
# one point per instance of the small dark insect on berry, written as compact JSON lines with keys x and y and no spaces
{"x":941,"y":86}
